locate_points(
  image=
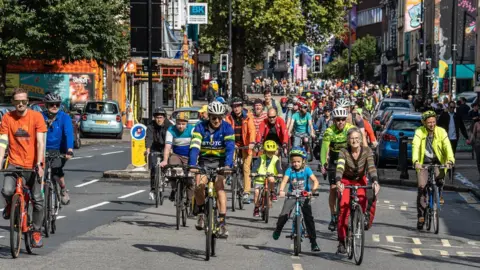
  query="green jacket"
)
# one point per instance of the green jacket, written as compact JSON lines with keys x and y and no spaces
{"x":441,"y":145}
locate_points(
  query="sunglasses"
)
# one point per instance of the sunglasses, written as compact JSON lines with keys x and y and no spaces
{"x":214,"y":117}
{"x":272,"y":117}
{"x":53,"y":104}
{"x":452,"y":107}
{"x":18,"y":102}
{"x":341,"y":119}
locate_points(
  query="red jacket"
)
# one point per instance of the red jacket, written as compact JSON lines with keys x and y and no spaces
{"x":280,"y":126}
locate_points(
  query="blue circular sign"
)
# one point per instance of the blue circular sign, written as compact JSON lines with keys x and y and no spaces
{"x":138,"y":132}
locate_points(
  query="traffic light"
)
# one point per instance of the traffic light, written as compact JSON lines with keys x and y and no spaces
{"x":288,"y":56}
{"x":224,"y":63}
{"x":428,"y":63}
{"x":317,"y":63}
{"x":301,"y":60}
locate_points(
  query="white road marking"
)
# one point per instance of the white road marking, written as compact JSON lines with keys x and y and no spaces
{"x":405,"y":203}
{"x":386,"y":201}
{"x":376,"y":238}
{"x":459,"y":177}
{"x":403,"y":208}
{"x":1,"y":236}
{"x":2,"y":209}
{"x":291,"y":246}
{"x":60,"y":217}
{"x":88,"y":156}
{"x":88,"y":183}
{"x":295,"y":257}
{"x":416,"y":251}
{"x":455,"y":211}
{"x":92,"y":206}
{"x":111,"y":153}
{"x":461,"y":254}
{"x":391,"y":207}
{"x":468,"y":197}
{"x":446,"y":243}
{"x":131,"y":194}
{"x":73,"y":158}
{"x":297,"y":266}
{"x":416,"y":241}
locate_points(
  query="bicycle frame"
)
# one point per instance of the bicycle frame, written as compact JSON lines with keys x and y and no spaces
{"x":429,"y":188}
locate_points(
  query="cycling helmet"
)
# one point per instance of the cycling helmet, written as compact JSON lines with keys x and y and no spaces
{"x":270,"y":146}
{"x":182,"y":116}
{"x":236,"y":101}
{"x":340,"y":112}
{"x":283,"y":100}
{"x":295,"y":100}
{"x":159,"y":111}
{"x":216,"y":108}
{"x":428,"y":114}
{"x":290,"y":105}
{"x":298,"y":151}
{"x":327,"y":108}
{"x":343,"y":103}
{"x":221,"y":100}
{"x":52,"y":98}
{"x":308,"y":95}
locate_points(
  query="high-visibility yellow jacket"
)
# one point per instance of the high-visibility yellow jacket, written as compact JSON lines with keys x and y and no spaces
{"x":441,"y":145}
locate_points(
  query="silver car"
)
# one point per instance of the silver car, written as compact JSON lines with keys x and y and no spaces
{"x":192,"y":112}
{"x":102,"y":117}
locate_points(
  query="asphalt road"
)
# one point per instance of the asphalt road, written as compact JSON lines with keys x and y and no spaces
{"x":112,"y":225}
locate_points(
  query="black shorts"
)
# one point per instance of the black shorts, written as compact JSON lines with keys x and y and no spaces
{"x":332,"y":167}
{"x":57,"y":165}
{"x":211,"y":162}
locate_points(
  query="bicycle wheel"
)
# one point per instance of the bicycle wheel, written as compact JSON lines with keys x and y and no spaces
{"x":266,"y":206}
{"x":178,"y":202}
{"x":436,"y":210}
{"x":56,"y":206}
{"x":209,"y":228}
{"x":47,"y":219}
{"x":185,"y":205}
{"x":15,"y":226}
{"x":297,"y":242}
{"x":157,"y":186}
{"x":234,"y":191}
{"x":239,"y":191}
{"x":358,"y":236}
{"x":215,"y":229}
{"x":428,"y":213}
{"x":349,"y":240}
{"x":28,"y":235}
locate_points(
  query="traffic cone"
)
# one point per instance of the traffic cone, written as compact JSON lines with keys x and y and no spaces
{"x":129,"y":117}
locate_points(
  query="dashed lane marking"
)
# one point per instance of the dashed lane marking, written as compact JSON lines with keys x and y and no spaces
{"x":73,"y":158}
{"x":416,"y":241}
{"x":88,"y":183}
{"x":297,"y":266}
{"x":403,"y":208}
{"x":446,"y":243}
{"x":391,"y":207}
{"x":111,"y":153}
{"x":386,"y":201}
{"x":376,"y":238}
{"x":405,"y":203}
{"x":468,"y":197}
{"x":92,"y":206}
{"x":60,"y":217}
{"x":131,"y":194}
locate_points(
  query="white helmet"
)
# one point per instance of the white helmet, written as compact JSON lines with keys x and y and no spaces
{"x":343,"y":103}
{"x":216,"y":108}
{"x":340,"y":112}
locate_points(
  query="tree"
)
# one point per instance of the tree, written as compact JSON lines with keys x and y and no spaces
{"x":259,"y":24}
{"x":63,"y":29}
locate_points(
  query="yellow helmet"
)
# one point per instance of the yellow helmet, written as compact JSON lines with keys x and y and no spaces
{"x":270,"y":146}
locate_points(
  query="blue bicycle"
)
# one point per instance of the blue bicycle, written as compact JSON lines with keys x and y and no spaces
{"x":298,"y":225}
{"x":432,"y":212}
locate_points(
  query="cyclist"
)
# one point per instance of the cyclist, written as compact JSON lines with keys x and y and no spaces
{"x":59,"y":139}
{"x":270,"y":103}
{"x":273,"y":129}
{"x":203,"y":112}
{"x":244,"y":128}
{"x":302,"y":123}
{"x":430,"y":145}
{"x":355,"y":118}
{"x":353,"y":164}
{"x":23,"y":132}
{"x":177,"y":141}
{"x":334,"y":140}
{"x":267,"y":163}
{"x":213,"y":146}
{"x":155,"y":142}
{"x":258,"y":113}
{"x":298,"y":176}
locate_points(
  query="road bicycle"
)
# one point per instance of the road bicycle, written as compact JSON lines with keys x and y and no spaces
{"x":298,"y":224}
{"x":355,"y":241}
{"x":211,"y":210}
{"x":21,"y":212}
{"x":179,"y":174}
{"x":236,"y":178}
{"x":265,"y":199}
{"x":159,"y":182}
{"x":432,"y":211}
{"x":51,"y":193}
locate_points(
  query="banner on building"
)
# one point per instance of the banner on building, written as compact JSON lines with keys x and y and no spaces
{"x":413,"y":15}
{"x":197,"y":13}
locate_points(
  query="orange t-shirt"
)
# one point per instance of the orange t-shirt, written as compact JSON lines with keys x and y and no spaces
{"x":22,"y":136}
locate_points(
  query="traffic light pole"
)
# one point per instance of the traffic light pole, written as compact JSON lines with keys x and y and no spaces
{"x":230,"y":54}
{"x":453,"y":89}
{"x":151,"y":104}
{"x":349,"y":45}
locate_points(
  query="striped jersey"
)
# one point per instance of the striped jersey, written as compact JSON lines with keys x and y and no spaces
{"x":180,"y":142}
{"x":206,"y":142}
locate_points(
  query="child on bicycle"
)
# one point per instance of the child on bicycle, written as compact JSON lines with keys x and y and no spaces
{"x":298,"y":176}
{"x":268,"y":163}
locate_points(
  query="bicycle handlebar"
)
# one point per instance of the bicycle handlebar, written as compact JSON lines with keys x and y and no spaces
{"x":54,"y":155}
{"x":426,"y":166}
{"x":357,"y":187}
{"x":203,"y":170}
{"x":17,"y":170}
{"x":302,"y":194}
{"x":265,"y":175}
{"x":174,"y":166}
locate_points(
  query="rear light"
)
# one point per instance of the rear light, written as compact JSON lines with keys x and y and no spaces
{"x":84,"y":117}
{"x":389,"y":138}
{"x":119,"y":118}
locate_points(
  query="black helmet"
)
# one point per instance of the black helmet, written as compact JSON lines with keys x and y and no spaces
{"x":159,"y":110}
{"x":52,"y":98}
{"x":236,"y":101}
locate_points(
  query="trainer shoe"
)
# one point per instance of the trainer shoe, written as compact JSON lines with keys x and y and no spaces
{"x":256,"y":212}
{"x":222,"y":231}
{"x":65,"y":198}
{"x":6,"y":211}
{"x":37,"y":239}
{"x":200,"y":222}
{"x":151,"y":196}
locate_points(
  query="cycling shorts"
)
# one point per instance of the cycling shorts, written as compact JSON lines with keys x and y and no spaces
{"x":332,"y":167}
{"x":57,"y":165}
{"x":211,"y":162}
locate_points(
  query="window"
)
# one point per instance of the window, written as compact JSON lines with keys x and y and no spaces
{"x":369,"y":16}
{"x":405,"y":125}
{"x":387,"y":104}
{"x":101,"y":108}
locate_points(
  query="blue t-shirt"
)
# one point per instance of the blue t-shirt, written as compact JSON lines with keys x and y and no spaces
{"x":300,"y":124}
{"x":299,"y":179}
{"x":180,"y":141}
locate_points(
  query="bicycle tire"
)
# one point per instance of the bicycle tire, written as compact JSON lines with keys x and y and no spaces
{"x":234,"y":191}
{"x":266,"y":208}
{"x":185,"y":206}
{"x":297,"y":242}
{"x":239,"y":192}
{"x":209,"y":228}
{"x":214,"y":234}
{"x":349,"y":240}
{"x":428,"y":213}
{"x":358,"y":236}
{"x":28,"y":235}
{"x":178,"y":203}
{"x":435,"y":210}
{"x":47,"y":219}
{"x":15,"y":226}
{"x":56,"y":206}
{"x":156,"y":187}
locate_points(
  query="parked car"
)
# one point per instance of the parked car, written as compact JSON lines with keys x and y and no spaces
{"x":102,"y":118}
{"x":471,"y":97}
{"x":382,"y":119}
{"x":392,"y":102}
{"x":400,"y":124}
{"x":4,"y":108}
{"x":192,"y":112}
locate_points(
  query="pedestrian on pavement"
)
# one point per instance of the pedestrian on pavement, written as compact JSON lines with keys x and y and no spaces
{"x":463,"y":108}
{"x":59,"y":140}
{"x":155,"y":142}
{"x":474,"y":114}
{"x":474,"y":140}
{"x":452,"y":122}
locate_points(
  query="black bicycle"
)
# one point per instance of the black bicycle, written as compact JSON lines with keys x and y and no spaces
{"x":179,"y":174}
{"x":237,"y":179}
{"x":51,"y":192}
{"x":159,"y":183}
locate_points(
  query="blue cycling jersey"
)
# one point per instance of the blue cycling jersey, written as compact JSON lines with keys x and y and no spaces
{"x":60,"y":132}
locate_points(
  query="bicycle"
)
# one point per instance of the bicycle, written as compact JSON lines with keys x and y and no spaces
{"x":51,"y":194}
{"x":179,"y":173}
{"x":432,"y":211}
{"x":159,"y":184}
{"x":211,"y":210}
{"x":21,"y":213}
{"x":298,"y":224}
{"x":265,"y":195}
{"x":237,"y":188}
{"x":356,"y":228}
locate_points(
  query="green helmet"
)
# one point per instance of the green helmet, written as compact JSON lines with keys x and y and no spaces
{"x":428,"y":114}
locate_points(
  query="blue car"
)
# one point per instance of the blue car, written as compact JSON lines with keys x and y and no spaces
{"x":399,"y":124}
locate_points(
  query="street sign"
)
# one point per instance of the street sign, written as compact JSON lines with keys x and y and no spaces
{"x":138,"y":133}
{"x":197,"y":13}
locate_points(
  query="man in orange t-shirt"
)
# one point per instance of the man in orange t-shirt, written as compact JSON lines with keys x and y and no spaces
{"x":23,"y":131}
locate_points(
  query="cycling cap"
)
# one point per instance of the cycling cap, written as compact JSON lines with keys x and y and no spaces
{"x":270,"y":146}
{"x":340,"y":113}
{"x":159,"y":111}
{"x":221,"y":100}
{"x":182,"y":116}
{"x":258,"y":101}
{"x":297,"y":151}
{"x":343,"y":103}
{"x":52,"y":98}
{"x":216,"y":108}
{"x":428,"y":114}
{"x":236,"y":101}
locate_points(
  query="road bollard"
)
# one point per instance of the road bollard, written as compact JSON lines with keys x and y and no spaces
{"x":403,"y":156}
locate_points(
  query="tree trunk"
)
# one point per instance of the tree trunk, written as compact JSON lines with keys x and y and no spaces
{"x":238,"y":51}
{"x":3,"y":78}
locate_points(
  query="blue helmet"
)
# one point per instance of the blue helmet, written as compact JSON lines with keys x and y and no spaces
{"x":298,"y":151}
{"x":221,"y":100}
